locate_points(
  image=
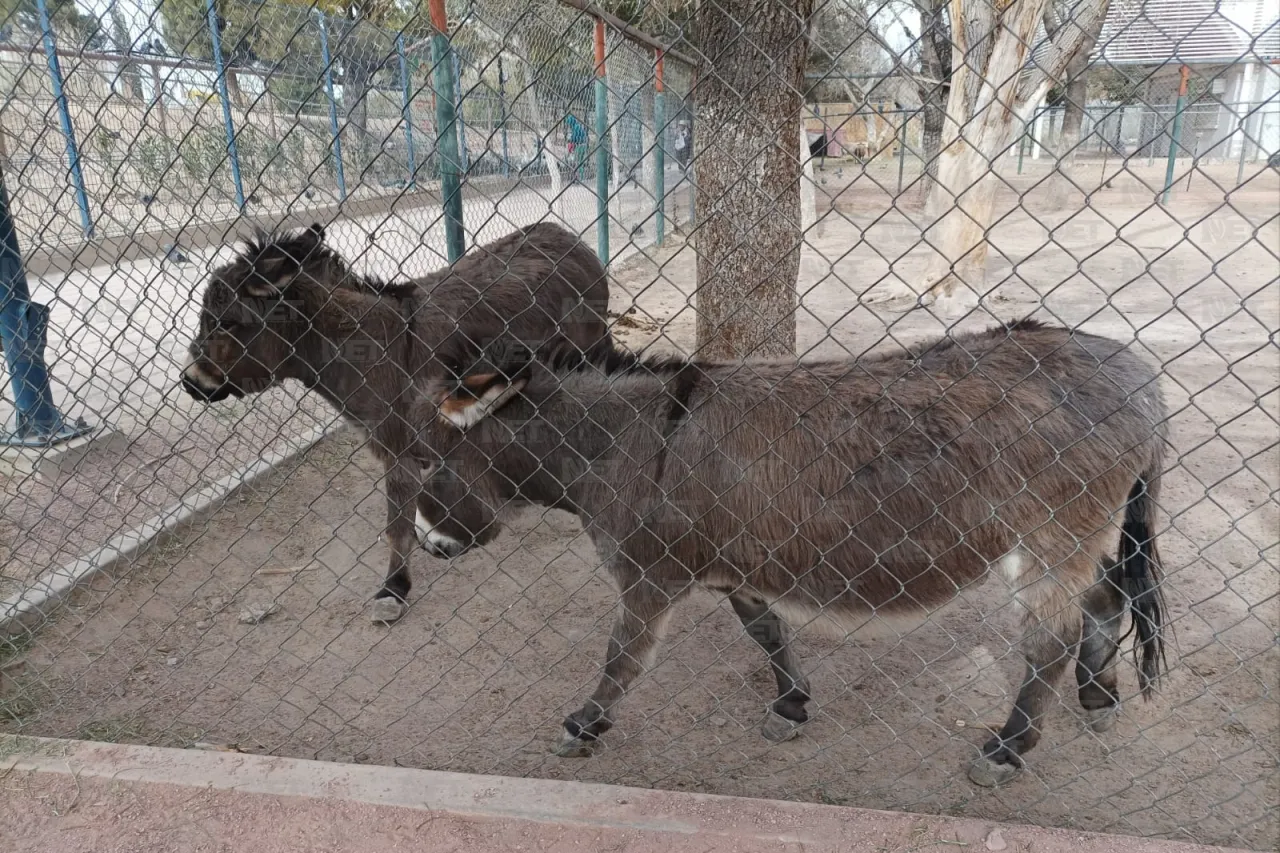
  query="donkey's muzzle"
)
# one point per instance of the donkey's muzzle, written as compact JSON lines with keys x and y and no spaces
{"x":207,"y":395}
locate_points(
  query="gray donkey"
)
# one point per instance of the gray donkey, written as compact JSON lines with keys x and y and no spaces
{"x":290,"y":307}
{"x":854,"y":493}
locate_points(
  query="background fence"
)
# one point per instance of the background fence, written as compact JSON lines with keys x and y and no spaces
{"x":136,"y":149}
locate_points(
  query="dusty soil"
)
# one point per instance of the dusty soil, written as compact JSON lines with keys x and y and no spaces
{"x":500,"y":644}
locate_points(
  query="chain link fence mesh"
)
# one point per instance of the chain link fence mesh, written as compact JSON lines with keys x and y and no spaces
{"x":136,"y":154}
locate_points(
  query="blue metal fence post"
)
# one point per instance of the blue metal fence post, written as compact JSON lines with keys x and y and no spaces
{"x":23,"y":324}
{"x":227,"y":122}
{"x":64,"y":118}
{"x":462,"y":126}
{"x":446,"y":132}
{"x":408,"y":111}
{"x":334,"y":130}
{"x":502,"y":118}
{"x":659,"y":155}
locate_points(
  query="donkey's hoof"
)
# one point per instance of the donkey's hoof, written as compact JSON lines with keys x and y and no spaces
{"x":1102,"y":719}
{"x":989,"y":773}
{"x":384,"y":611}
{"x":435,"y":543}
{"x":571,"y":746}
{"x":779,"y":729}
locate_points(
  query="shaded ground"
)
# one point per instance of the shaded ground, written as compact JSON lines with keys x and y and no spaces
{"x":500,"y":644}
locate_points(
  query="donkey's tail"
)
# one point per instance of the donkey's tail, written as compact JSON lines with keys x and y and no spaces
{"x":1141,"y":572}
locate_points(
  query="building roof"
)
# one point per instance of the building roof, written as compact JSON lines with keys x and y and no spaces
{"x":1217,"y":32}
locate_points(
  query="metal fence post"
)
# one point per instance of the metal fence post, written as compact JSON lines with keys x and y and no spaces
{"x":334,"y":130}
{"x":602,"y":149}
{"x":64,"y":118}
{"x":902,"y":148}
{"x":23,"y":324}
{"x":464,"y":160}
{"x":659,"y":155}
{"x":230,"y":126}
{"x":502,"y":118}
{"x":1175,"y":138}
{"x":446,"y":132}
{"x":407,"y":99}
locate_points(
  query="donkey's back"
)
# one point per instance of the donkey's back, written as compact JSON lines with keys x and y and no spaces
{"x":540,"y":285}
{"x":886,"y":484}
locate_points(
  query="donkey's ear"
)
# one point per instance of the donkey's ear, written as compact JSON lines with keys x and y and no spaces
{"x":476,"y":397}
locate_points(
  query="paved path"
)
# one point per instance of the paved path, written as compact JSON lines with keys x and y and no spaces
{"x":79,"y":796}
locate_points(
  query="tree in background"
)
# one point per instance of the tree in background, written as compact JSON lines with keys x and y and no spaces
{"x":933,"y":85}
{"x":73,"y":28}
{"x":1074,"y":89}
{"x":994,"y":89}
{"x":749,"y":166}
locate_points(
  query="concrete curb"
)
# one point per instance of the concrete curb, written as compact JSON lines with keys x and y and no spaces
{"x":543,"y":814}
{"x":22,"y":612}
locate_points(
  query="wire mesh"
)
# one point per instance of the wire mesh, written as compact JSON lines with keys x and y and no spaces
{"x":1145,"y":213}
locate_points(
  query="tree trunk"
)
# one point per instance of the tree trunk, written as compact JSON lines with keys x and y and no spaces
{"x":355,"y":93}
{"x":992,"y":94}
{"x":1077,"y":95}
{"x":123,"y":44}
{"x":749,"y":175}
{"x":935,"y":68}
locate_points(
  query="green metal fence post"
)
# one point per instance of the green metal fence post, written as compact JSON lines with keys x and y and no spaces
{"x":447,"y":132}
{"x":1175,"y":138}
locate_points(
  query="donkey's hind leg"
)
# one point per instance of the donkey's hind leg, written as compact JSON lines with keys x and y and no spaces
{"x":1053,"y":617}
{"x":787,"y":713}
{"x":1103,"y":606}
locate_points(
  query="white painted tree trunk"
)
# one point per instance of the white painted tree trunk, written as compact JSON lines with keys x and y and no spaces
{"x":991,"y":87}
{"x":808,"y":196}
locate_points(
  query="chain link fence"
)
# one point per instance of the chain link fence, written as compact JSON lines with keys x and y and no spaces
{"x":138,"y":146}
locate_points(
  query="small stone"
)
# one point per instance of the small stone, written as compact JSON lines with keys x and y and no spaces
{"x":203,"y":624}
{"x":719,"y":721}
{"x":172,"y":661}
{"x":995,"y":840}
{"x":254,"y":615}
{"x":960,"y":724}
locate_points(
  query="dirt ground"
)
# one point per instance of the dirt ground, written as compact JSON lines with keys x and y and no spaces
{"x":501,"y":643}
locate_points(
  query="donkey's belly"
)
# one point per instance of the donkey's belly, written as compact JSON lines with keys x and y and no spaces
{"x":846,"y":620}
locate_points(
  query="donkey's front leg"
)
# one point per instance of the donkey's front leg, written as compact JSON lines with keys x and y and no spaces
{"x":642,"y":617}
{"x":404,"y":482}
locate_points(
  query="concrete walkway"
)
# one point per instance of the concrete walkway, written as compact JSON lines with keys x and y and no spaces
{"x":79,"y":796}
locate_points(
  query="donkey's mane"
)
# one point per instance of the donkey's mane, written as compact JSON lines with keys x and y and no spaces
{"x":609,"y":359}
{"x":300,"y":248}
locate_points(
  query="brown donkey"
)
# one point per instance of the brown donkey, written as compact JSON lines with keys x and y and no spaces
{"x":290,"y":307}
{"x":848,"y":492}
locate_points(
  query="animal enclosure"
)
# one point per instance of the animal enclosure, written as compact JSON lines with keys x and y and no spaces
{"x":250,"y":628}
